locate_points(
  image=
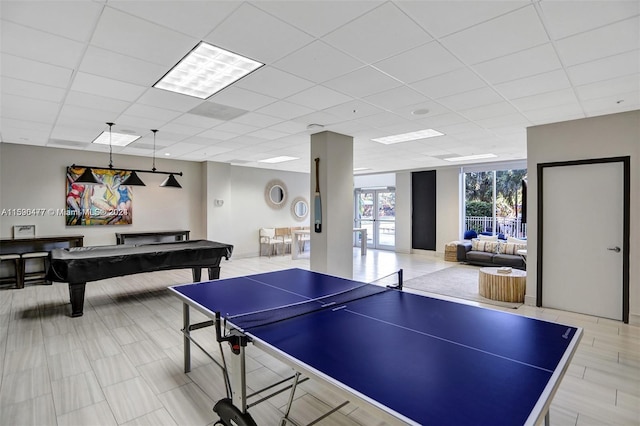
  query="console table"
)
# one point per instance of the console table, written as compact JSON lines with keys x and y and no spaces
{"x":151,"y":237}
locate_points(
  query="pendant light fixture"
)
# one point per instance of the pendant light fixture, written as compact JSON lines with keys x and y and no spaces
{"x":88,"y":178}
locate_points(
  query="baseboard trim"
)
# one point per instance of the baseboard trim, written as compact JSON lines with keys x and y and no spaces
{"x":529,"y":300}
{"x":634,"y":319}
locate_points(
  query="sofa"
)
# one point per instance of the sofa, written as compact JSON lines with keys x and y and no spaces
{"x":492,"y":252}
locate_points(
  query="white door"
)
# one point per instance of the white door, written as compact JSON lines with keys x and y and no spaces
{"x":583,"y":226}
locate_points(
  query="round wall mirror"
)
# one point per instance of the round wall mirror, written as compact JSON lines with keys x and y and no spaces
{"x":276,"y":194}
{"x":299,"y":208}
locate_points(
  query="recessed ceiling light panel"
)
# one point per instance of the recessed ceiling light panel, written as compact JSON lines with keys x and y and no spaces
{"x":471,"y":157}
{"x":280,"y":159}
{"x":412,"y":136}
{"x":115,"y":139}
{"x":206,"y":70}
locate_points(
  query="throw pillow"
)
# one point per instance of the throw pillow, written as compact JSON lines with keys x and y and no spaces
{"x":487,"y":246}
{"x":488,"y":237}
{"x":511,"y":248}
{"x":516,"y":240}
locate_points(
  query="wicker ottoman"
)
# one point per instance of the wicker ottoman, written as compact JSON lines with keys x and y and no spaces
{"x":450,"y":254}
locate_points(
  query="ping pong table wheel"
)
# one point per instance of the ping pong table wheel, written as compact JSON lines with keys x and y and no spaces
{"x":230,"y":415}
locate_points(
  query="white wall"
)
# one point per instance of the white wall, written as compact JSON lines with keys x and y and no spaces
{"x":33,"y":177}
{"x":598,"y":137}
{"x":248,"y":210}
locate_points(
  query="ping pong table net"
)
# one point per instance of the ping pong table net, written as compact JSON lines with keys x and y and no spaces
{"x":251,"y":320}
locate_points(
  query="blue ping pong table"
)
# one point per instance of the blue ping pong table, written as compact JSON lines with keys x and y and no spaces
{"x":417,"y":359}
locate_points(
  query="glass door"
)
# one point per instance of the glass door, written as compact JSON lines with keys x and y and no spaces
{"x":375,"y":210}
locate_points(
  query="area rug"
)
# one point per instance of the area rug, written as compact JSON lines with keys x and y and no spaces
{"x":459,"y":281}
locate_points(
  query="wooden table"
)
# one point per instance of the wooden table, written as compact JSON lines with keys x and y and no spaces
{"x":503,"y":287}
{"x":298,"y":233}
{"x":40,"y":243}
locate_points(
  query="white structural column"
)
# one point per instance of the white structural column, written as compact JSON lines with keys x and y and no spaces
{"x":332,"y":249}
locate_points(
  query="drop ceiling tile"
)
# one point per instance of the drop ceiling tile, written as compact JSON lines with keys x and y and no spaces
{"x":146,"y":111}
{"x":570,"y":111}
{"x":37,"y":72}
{"x":267,"y":134}
{"x":489,"y":111}
{"x":504,"y":35}
{"x":319,"y":117}
{"x":563,"y":20}
{"x":257,"y":120}
{"x":451,"y":83}
{"x":97,"y":117}
{"x":516,"y":120}
{"x":471,"y":99}
{"x":237,"y":128}
{"x":198,"y":121}
{"x":611,"y":87}
{"x":77,"y":134}
{"x":253,"y":33}
{"x":381,"y":120}
{"x":29,"y":89}
{"x":217,"y":135}
{"x":440,"y":18}
{"x":289,"y":127}
{"x":317,"y":17}
{"x":128,"y":35}
{"x":605,"y":68}
{"x":101,"y":86}
{"x":414,"y":112}
{"x":123,"y":68}
{"x":25,"y":137}
{"x":397,"y":98}
{"x":273,"y":82}
{"x":602,"y":42}
{"x":194,"y":18}
{"x":6,"y":122}
{"x":169,"y":100}
{"x":74,"y":20}
{"x":134,"y":125}
{"x":40,"y":46}
{"x":522,"y":64}
{"x":318,"y":62}
{"x":376,"y":35}
{"x":317,"y":98}
{"x":101,"y":103}
{"x":178,"y":129}
{"x":242,"y":98}
{"x":419,"y":63}
{"x":285,"y":110}
{"x":21,"y":108}
{"x":609,"y":104}
{"x":544,"y":100}
{"x":353,"y":109}
{"x":441,"y":120}
{"x":363,"y":82}
{"x":545,"y":82}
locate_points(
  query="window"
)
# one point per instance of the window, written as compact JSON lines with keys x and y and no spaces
{"x":493,"y":202}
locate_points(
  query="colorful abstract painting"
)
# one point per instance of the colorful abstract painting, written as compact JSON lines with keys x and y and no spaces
{"x":107,"y":204}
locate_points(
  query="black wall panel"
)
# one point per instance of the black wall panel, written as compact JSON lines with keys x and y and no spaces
{"x":423,"y":210}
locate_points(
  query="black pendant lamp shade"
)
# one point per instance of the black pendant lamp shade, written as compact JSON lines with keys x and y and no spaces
{"x":88,"y":178}
{"x":133,"y":180}
{"x":171,"y":182}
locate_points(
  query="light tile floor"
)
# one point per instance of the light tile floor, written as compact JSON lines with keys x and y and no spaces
{"x":121,"y":363}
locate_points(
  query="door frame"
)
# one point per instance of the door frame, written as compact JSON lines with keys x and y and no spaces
{"x":375,"y":221}
{"x":626,"y":163}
